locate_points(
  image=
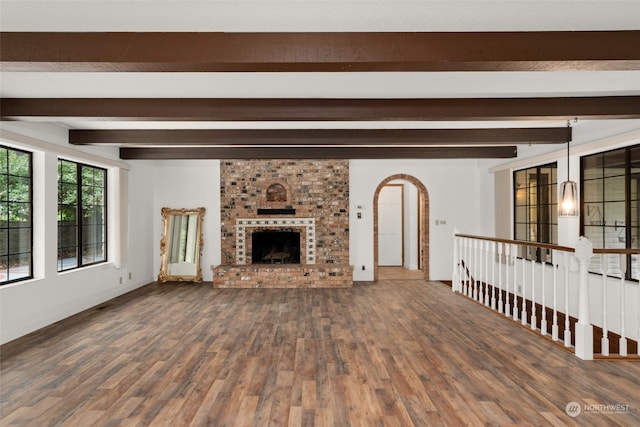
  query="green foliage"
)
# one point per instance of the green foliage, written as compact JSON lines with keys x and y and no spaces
{"x":15,"y":185}
{"x":91,"y":191}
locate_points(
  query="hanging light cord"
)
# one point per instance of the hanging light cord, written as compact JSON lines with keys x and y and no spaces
{"x":568,"y":140}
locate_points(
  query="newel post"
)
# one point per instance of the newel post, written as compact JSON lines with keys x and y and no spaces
{"x":455,"y":275}
{"x":584,"y":329}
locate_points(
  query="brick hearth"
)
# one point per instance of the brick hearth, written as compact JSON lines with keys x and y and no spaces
{"x":311,"y":196}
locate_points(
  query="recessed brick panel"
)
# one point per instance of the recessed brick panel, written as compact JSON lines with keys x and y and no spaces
{"x":316,"y":189}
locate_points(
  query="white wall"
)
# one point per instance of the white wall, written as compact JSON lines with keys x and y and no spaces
{"x":453,"y":193}
{"x":189,"y":184}
{"x":51,"y":296}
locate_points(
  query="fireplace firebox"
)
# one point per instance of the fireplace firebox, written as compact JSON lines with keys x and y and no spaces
{"x":275,"y":247}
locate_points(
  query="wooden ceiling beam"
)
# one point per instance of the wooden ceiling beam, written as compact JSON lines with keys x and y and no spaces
{"x":319,"y":51}
{"x":321,"y":137}
{"x":321,"y":109}
{"x":181,"y":153}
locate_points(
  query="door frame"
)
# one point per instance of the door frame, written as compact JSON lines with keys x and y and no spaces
{"x":423,"y":196}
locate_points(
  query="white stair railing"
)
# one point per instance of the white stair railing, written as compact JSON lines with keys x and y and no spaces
{"x":543,"y":294}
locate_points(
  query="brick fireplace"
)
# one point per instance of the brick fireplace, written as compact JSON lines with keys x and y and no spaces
{"x":308,"y":200}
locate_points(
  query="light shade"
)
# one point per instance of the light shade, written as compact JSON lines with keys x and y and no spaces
{"x":568,"y":205}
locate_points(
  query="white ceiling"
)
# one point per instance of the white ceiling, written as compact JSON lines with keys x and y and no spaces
{"x":316,"y":15}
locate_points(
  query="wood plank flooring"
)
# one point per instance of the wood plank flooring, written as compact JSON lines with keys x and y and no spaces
{"x":398,"y":353}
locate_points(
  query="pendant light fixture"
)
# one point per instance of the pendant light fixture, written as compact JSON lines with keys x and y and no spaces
{"x":568,"y":206}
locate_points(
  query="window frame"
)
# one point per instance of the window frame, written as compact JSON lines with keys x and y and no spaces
{"x":537,"y":254}
{"x":586,"y":204}
{"x":80,"y":223}
{"x":30,"y":204}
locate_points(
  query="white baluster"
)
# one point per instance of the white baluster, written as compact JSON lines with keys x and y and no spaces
{"x":534,"y":317}
{"x":465,"y":267}
{"x":516,"y":309}
{"x":487,"y":256}
{"x":543,"y":302}
{"x":623,"y":288}
{"x":567,"y":327}
{"x":493,"y":273}
{"x":523,"y":316}
{"x":554,"y":321}
{"x":481,"y":272}
{"x":500,"y":305}
{"x":604,"y":270}
{"x":508,"y":250}
{"x":475,"y":270}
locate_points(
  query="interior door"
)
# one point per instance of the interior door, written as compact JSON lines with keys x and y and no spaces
{"x":390,"y":230}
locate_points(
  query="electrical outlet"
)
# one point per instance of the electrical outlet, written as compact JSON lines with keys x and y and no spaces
{"x":129,"y":275}
{"x":519,"y":289}
{"x":121,"y":280}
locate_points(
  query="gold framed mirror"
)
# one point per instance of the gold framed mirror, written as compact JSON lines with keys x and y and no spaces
{"x":181,"y":245}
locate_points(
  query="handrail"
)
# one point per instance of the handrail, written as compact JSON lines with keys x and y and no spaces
{"x":616,"y":251}
{"x":521,"y":242}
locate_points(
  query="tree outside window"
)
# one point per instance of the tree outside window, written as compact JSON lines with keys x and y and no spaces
{"x":16,"y":225}
{"x":82,"y":225}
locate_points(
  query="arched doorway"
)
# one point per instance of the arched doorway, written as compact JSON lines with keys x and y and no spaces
{"x":424,"y":223}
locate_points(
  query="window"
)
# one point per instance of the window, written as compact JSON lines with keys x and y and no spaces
{"x":82,"y":225}
{"x":535,"y":209}
{"x":610,"y":201}
{"x":16,"y":225}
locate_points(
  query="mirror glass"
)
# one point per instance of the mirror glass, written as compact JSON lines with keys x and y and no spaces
{"x":181,"y":245}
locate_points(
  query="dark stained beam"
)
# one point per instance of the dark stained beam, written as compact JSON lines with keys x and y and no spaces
{"x":176,"y":153}
{"x":322,"y":137}
{"x":326,"y":52}
{"x":321,"y":109}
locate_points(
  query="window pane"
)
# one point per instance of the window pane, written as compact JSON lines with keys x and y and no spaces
{"x":15,"y":214}
{"x":19,"y":189}
{"x":4,"y":242}
{"x":20,"y":266}
{"x":595,"y":235}
{"x":521,"y":214}
{"x":614,"y":214}
{"x":592,"y":167}
{"x":20,"y":214}
{"x":67,"y":172}
{"x":614,"y":189}
{"x":593,"y":214}
{"x":67,"y":258}
{"x":19,"y":163}
{"x":87,"y":175}
{"x":520,"y":179}
{"x":634,"y":158}
{"x":81,"y":215}
{"x":4,"y":211}
{"x":4,"y":189}
{"x":521,"y":232}
{"x":593,"y":190}
{"x":19,"y":240}
{"x":635,"y":238}
{"x":614,"y":163}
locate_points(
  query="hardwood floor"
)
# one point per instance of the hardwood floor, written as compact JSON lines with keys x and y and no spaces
{"x":398,"y":353}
